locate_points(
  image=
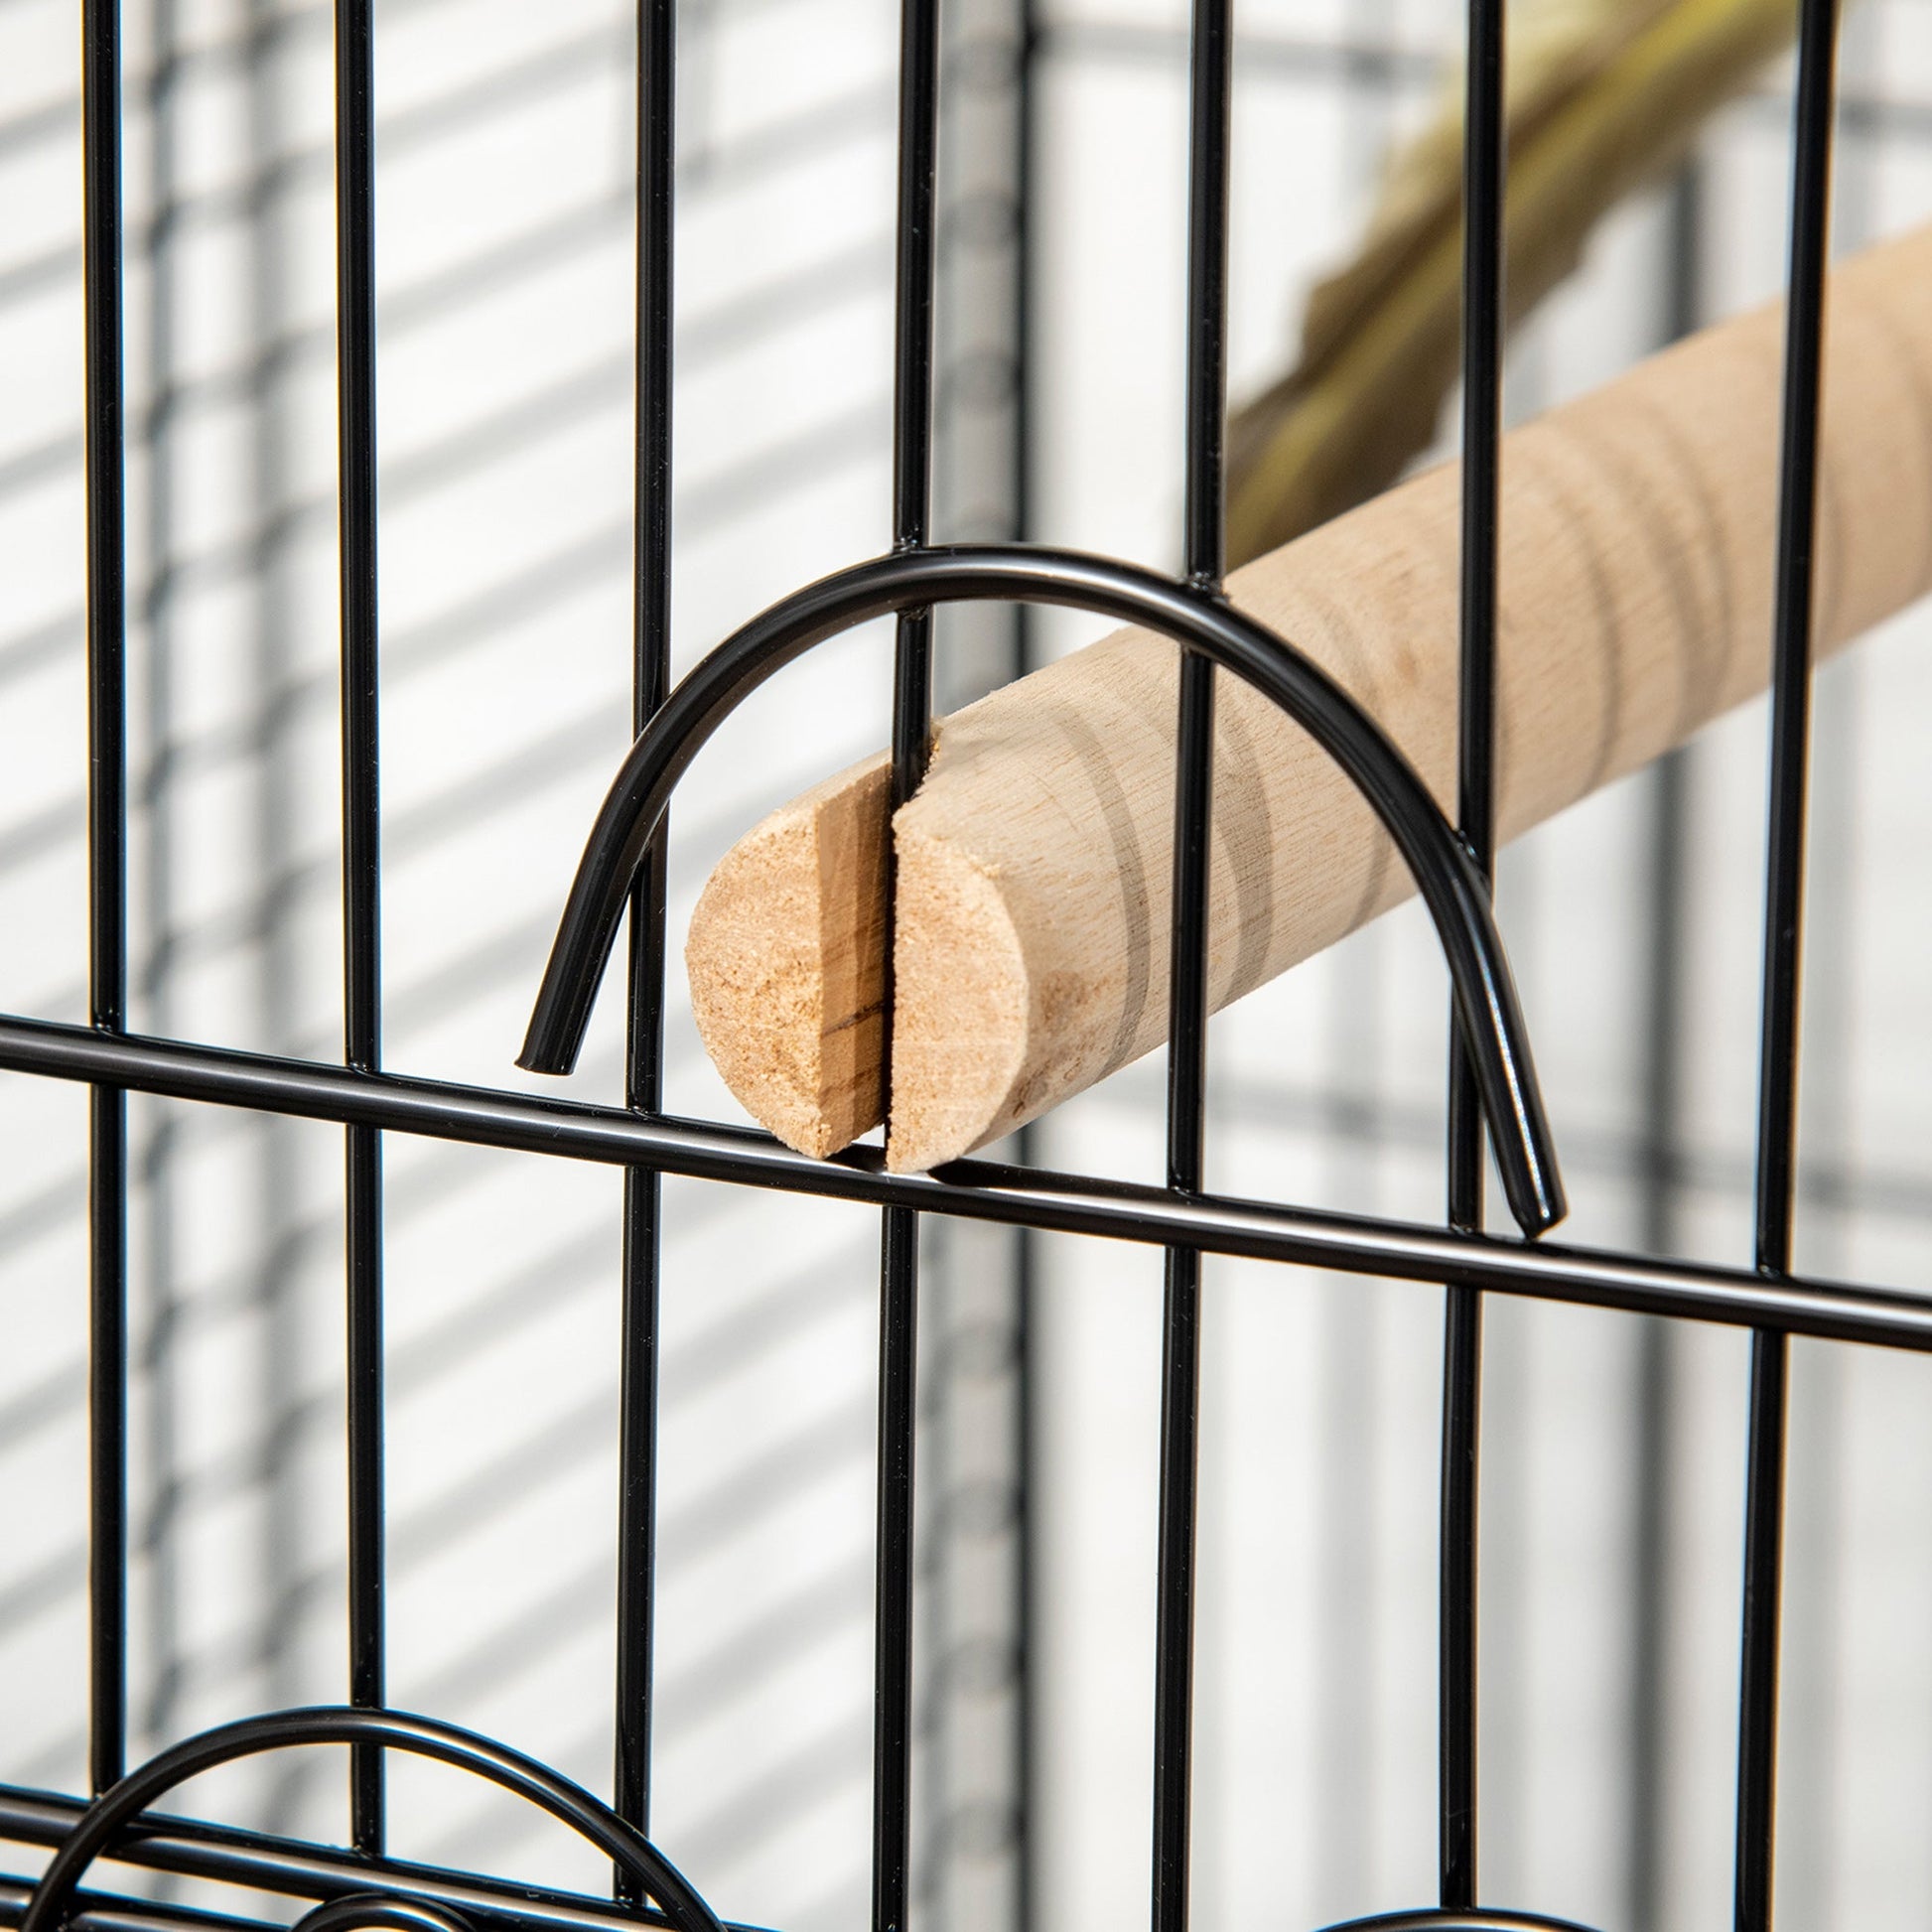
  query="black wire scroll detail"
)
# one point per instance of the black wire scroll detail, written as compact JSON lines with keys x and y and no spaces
{"x":1445,"y":870}
{"x":104,"y":1821}
{"x":1448,"y":1918}
{"x":380,"y":1912}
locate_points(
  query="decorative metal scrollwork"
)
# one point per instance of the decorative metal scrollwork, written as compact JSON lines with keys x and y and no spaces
{"x":363,"y":1911}
{"x":381,"y":1912}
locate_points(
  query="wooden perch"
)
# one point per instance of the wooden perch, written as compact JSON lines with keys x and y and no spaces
{"x":1034,"y":866}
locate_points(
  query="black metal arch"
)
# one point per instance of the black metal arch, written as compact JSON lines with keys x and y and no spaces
{"x":589,"y":1817}
{"x":1444,"y":1918}
{"x":1447,"y":874}
{"x":380,"y":1912}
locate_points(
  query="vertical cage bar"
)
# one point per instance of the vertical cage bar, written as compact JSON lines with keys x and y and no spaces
{"x":106,"y":459}
{"x":1783,"y":912}
{"x":1663,"y":1106}
{"x":1029,"y":1465}
{"x":1028,"y":1458}
{"x":1204,"y":516}
{"x":1656,"y":1369}
{"x":1482,"y":353}
{"x":645,"y":1044}
{"x":362,"y":872}
{"x":893,"y":1654}
{"x":916,"y":257}
{"x":1209,"y":108}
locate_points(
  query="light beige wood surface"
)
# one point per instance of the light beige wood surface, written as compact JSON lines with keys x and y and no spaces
{"x":1034,"y":866}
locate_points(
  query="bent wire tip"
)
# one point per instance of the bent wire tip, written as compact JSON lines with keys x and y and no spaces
{"x":1519,"y":1128}
{"x":1532,"y":1186}
{"x":561,"y":1015}
{"x":1542,"y":1206}
{"x":1512,"y":1105}
{"x":552,"y":1043}
{"x":543,"y":1052}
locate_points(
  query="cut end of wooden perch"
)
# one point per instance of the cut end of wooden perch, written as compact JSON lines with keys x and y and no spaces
{"x":786,"y":959}
{"x":786,"y":956}
{"x":959,"y":1022}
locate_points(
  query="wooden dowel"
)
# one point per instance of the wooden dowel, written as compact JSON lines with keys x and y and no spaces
{"x":1034,"y":866}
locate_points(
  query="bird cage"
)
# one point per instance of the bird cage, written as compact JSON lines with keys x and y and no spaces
{"x":419,"y":415}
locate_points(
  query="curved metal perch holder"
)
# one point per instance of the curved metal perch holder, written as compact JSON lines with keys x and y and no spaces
{"x":109,"y":1815}
{"x":1450,"y":884}
{"x":1450,"y":1918}
{"x":380,"y":1912}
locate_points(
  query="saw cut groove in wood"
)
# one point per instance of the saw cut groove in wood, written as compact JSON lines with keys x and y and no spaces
{"x":1030,"y":955}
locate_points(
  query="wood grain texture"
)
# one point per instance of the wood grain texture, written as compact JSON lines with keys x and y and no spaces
{"x":1034,"y":866}
{"x":787,"y":956}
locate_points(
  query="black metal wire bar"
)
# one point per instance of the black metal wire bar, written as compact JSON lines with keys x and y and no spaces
{"x":893,"y":1629}
{"x":107,"y":440}
{"x":1030,"y":1470}
{"x":644,"y":1040}
{"x":361,"y":874}
{"x":1482,"y":356}
{"x":1660,"y":1157}
{"x":981,"y":1190}
{"x":1436,"y":1919}
{"x":97,"y":1911}
{"x":914,"y":268}
{"x":1778,"y":1107}
{"x":1651,"y":1568}
{"x":1210,"y":94}
{"x":1204,"y":519}
{"x":1029,"y":1462}
{"x":293,"y":1868}
{"x":379,"y":1912}
{"x":1483,"y":164}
